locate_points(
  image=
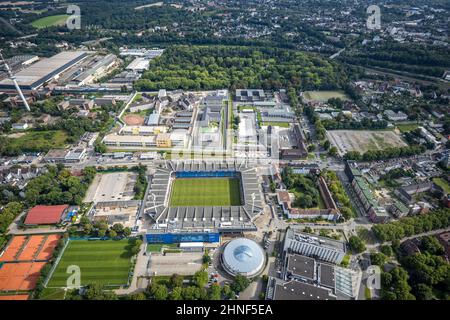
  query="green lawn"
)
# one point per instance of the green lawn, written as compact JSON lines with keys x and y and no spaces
{"x":157,"y":247}
{"x":205,"y":192}
{"x":106,"y":262}
{"x":50,"y":21}
{"x":39,"y":141}
{"x":406,"y":127}
{"x":276,"y":124}
{"x":325,"y":95}
{"x":52,"y":294}
{"x":443,"y":184}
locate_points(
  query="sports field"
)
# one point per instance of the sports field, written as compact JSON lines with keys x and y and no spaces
{"x":324,"y":95}
{"x":50,"y":21}
{"x":205,"y":192}
{"x":106,"y":262}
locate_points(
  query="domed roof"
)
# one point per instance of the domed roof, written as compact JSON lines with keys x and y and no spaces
{"x":243,"y":256}
{"x":243,"y":253}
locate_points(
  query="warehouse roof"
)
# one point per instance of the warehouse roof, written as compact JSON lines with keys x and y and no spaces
{"x":44,"y":70}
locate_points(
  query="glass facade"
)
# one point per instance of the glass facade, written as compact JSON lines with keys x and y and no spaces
{"x":167,"y":238}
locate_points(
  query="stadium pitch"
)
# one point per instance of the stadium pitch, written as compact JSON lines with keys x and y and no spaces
{"x":106,"y":262}
{"x":203,"y":192}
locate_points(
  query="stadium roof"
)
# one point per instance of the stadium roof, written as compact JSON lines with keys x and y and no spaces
{"x":243,"y":256}
{"x":216,"y":217}
{"x":45,"y":214}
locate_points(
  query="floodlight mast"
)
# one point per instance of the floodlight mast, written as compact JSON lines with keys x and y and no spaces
{"x":13,"y":79}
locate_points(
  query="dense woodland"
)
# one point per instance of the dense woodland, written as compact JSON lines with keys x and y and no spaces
{"x":213,"y":67}
{"x":58,"y":186}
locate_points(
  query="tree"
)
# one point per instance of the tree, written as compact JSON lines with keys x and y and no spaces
{"x":112,"y":233}
{"x":159,"y":291}
{"x":136,"y":247}
{"x":308,"y":229}
{"x":326,"y":144}
{"x":96,"y":291}
{"x":356,"y":244}
{"x":175,"y":281}
{"x":240,"y":283}
{"x":118,"y":227}
{"x":126,"y":231}
{"x":215,"y":292}
{"x":386,"y":250}
{"x":191,"y":293}
{"x":206,"y":258}
{"x":227,"y":292}
{"x":378,"y":259}
{"x":200,"y":278}
{"x":394,"y":285}
{"x":432,"y":245}
{"x":87,"y":229}
{"x":101,"y":233}
{"x":176,"y":294}
{"x":333,"y":151}
{"x":424,"y":292}
{"x":138,"y":296}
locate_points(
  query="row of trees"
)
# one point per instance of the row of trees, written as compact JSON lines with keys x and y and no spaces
{"x":141,"y":182}
{"x":409,"y":226}
{"x":173,"y":289}
{"x":7,"y":216}
{"x":320,"y":128}
{"x":99,"y":228}
{"x":339,"y":194}
{"x":345,"y":124}
{"x":388,"y":153}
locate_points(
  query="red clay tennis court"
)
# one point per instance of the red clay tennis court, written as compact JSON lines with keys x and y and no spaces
{"x":29,"y":248}
{"x":48,"y":247}
{"x":15,"y":297}
{"x":13,"y":249}
{"x":19,"y":276}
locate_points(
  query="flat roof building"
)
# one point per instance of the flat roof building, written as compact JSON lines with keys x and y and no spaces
{"x":320,"y":248}
{"x":138,"y":65}
{"x":296,"y":290}
{"x":45,"y":70}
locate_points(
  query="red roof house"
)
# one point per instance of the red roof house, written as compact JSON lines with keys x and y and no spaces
{"x":45,"y":214}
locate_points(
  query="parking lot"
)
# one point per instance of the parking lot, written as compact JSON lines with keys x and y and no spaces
{"x":183,"y":263}
{"x":117,"y":186}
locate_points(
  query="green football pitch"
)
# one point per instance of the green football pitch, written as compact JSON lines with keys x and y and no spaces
{"x":106,"y":262}
{"x":205,"y":192}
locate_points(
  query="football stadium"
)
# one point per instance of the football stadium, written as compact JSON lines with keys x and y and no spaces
{"x":195,"y":201}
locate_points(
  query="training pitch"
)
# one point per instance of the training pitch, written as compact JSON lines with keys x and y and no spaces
{"x":106,"y":262}
{"x":205,"y":192}
{"x":57,"y":20}
{"x":323,"y":96}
